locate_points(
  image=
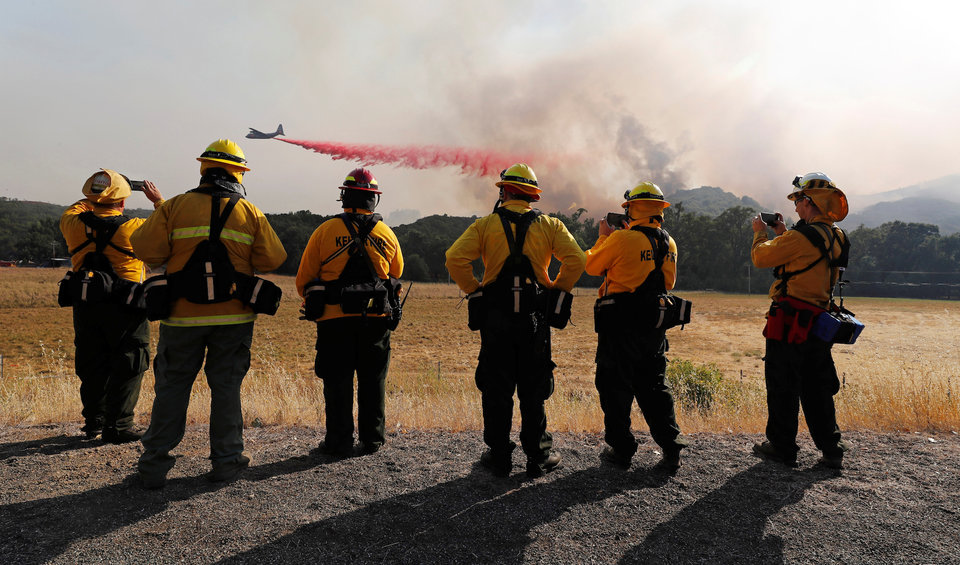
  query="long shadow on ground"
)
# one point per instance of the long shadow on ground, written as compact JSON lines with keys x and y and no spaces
{"x":736,"y":513}
{"x":471,"y":519}
{"x":40,"y":530}
{"x":46,"y":446}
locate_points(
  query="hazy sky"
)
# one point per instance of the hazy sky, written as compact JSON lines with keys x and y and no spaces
{"x":737,"y":94}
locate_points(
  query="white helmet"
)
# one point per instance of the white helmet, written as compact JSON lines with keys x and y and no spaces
{"x":810,"y":180}
{"x":821,"y":189}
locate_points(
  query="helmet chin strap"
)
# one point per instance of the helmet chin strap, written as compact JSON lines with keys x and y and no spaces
{"x":499,"y":201}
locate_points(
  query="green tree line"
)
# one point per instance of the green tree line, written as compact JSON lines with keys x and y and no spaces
{"x":894,"y":259}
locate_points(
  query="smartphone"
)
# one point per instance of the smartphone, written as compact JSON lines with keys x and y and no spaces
{"x":136,"y":185}
{"x":615,"y":220}
{"x":770,"y":218}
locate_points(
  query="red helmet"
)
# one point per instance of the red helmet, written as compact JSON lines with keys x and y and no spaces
{"x":360,"y":179}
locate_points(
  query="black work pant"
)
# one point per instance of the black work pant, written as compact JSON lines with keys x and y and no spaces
{"x":224,"y":354}
{"x":515,"y":356}
{"x":801,"y":374}
{"x":112,"y":352}
{"x":348,"y":345}
{"x":631,"y":365}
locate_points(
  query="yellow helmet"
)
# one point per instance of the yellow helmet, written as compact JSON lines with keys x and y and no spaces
{"x":225,"y":152}
{"x":520,"y":177}
{"x":644,"y":191}
{"x":821,"y":189}
{"x":106,"y":187}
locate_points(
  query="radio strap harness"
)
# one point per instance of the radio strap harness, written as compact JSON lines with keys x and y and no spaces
{"x":813,"y":234}
{"x":517,"y":272}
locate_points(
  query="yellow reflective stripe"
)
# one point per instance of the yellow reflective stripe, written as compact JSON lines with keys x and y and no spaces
{"x":187,"y":233}
{"x":204,"y":231}
{"x":210,"y":320}
{"x":237,"y":236}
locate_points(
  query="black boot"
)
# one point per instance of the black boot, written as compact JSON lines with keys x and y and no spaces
{"x":92,"y":429}
{"x":113,"y":435}
{"x":538,"y":467}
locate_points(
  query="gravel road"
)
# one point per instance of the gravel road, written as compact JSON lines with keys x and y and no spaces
{"x":423,"y":499}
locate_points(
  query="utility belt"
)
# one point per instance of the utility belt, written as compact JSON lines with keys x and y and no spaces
{"x":647,"y":310}
{"x":790,"y":320}
{"x":366,"y":298}
{"x":87,"y":286}
{"x":519,"y":299}
{"x":795,"y":321}
{"x":161,"y":291}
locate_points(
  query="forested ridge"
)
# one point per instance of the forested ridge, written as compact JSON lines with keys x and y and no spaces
{"x":894,"y":259}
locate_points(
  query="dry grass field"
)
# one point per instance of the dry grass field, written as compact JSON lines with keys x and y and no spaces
{"x":902,"y":375}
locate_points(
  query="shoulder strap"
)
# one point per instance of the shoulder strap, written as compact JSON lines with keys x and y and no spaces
{"x":359,"y":237}
{"x":659,"y":243}
{"x":522,"y":221}
{"x":346,"y":217}
{"x":106,"y":228}
{"x":218,"y":219}
{"x":814,"y":235}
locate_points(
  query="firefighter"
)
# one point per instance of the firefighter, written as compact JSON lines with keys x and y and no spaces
{"x":216,"y":336}
{"x":111,"y":339}
{"x":510,"y":309}
{"x":631,"y":362}
{"x":798,"y":367}
{"x":348,"y":275}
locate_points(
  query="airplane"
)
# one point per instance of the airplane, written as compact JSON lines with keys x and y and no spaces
{"x":254,"y":134}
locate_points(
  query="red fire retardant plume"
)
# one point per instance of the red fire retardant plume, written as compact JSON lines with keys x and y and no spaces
{"x":476,"y":162}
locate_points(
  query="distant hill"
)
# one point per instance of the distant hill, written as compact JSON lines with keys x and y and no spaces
{"x":710,"y":200}
{"x":937,"y":211}
{"x":31,"y":229}
{"x":932,"y":202}
{"x":945,"y":188}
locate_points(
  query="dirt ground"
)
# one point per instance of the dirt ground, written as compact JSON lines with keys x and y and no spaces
{"x":423,"y":499}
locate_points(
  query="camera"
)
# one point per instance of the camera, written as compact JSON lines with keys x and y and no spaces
{"x":615,"y":220}
{"x":770,"y":218}
{"x":135,"y":185}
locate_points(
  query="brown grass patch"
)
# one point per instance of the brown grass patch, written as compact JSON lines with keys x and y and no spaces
{"x":901,"y":375}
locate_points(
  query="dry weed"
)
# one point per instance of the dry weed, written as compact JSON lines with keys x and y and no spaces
{"x":901,"y":375}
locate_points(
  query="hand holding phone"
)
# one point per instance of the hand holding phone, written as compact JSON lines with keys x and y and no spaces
{"x":771,"y":218}
{"x":616,"y":221}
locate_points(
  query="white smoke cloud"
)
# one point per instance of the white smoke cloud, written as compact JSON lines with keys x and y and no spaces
{"x":682,"y":93}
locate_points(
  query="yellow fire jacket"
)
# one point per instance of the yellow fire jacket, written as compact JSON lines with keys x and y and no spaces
{"x":75,"y":233}
{"x":331,"y":236}
{"x":625,"y":258}
{"x":793,"y":250}
{"x":171,"y":233}
{"x":486,"y":239}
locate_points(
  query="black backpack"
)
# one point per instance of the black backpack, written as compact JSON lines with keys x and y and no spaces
{"x":96,"y":281}
{"x":362,"y":291}
{"x":208,"y":277}
{"x":649,"y":305}
{"x":655,"y":282}
{"x":516,"y":287}
{"x":359,"y":288}
{"x":515,"y":290}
